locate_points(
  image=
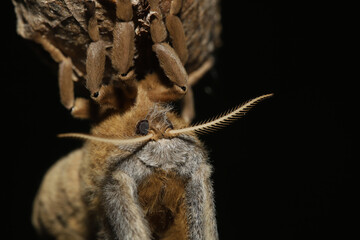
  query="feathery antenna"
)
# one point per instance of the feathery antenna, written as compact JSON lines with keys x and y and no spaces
{"x":223,"y":120}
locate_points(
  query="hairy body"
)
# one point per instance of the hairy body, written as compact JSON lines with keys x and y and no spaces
{"x":59,"y":209}
{"x":158,"y":190}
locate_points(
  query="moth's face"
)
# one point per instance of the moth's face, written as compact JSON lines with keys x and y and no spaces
{"x":144,"y":124}
{"x":170,"y":153}
{"x":147,"y":122}
{"x":159,"y":148}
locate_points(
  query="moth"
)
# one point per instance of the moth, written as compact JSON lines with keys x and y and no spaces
{"x":142,"y":173}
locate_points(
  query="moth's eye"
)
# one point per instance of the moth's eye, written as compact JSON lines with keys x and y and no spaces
{"x":142,"y":127}
{"x":95,"y":94}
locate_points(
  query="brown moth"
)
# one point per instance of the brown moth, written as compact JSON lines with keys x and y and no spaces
{"x":142,"y":173}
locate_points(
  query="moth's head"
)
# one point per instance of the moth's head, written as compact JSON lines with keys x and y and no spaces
{"x":148,"y":121}
{"x":144,"y":122}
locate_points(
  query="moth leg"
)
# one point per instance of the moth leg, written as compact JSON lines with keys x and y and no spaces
{"x":66,"y":84}
{"x":81,"y":108}
{"x":95,"y":66}
{"x":54,"y":52}
{"x":93,"y":28}
{"x":95,"y":61}
{"x":196,"y":75}
{"x":176,"y":6}
{"x":66,"y":77}
{"x":123,"y":48}
{"x":188,"y":110}
{"x":122,"y":56}
{"x":96,"y":53}
{"x":176,"y":31}
{"x":169,"y":59}
{"x":200,"y":205}
{"x":123,"y":214}
{"x":109,"y":97}
{"x":157,"y":91}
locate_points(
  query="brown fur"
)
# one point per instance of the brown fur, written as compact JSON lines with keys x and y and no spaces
{"x":94,"y":189}
{"x":162,"y":197}
{"x":58,"y":208}
{"x":115,"y":126}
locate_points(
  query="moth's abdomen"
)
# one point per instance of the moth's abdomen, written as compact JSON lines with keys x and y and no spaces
{"x":58,"y":208}
{"x":162,"y":197}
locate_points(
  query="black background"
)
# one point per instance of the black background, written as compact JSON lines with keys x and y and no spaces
{"x":287,"y":170}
